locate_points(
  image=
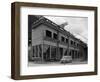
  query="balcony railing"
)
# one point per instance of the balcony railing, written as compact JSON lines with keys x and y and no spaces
{"x":50,"y":39}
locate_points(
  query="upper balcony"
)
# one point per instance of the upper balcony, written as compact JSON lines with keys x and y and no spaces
{"x":50,"y":36}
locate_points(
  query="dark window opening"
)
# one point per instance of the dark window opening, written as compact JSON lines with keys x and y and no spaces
{"x":74,"y":43}
{"x":70,"y":52}
{"x":62,"y":39}
{"x":66,"y":40}
{"x":48,"y":33}
{"x":71,"y":42}
{"x":61,"y":52}
{"x":55,"y":36}
{"x":77,"y":45}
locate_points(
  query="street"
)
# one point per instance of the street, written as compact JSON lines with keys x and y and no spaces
{"x":74,"y":62}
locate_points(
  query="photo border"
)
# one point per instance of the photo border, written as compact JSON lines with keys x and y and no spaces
{"x":15,"y":40}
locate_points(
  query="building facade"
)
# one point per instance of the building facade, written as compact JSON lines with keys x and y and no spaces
{"x":50,"y":42}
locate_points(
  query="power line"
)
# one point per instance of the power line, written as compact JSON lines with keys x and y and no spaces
{"x":82,"y":36}
{"x":79,"y":35}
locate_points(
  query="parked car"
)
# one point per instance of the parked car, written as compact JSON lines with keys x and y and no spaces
{"x":66,"y":59}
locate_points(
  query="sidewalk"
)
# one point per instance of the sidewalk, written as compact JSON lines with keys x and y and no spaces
{"x":74,"y":62}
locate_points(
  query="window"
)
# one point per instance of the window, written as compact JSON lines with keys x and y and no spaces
{"x":66,"y":40}
{"x":62,"y":39}
{"x":71,"y":42}
{"x":55,"y":36}
{"x":74,"y":43}
{"x":48,"y":33}
{"x":77,"y":45}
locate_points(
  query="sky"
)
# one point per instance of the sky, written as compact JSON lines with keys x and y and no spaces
{"x":78,"y":26}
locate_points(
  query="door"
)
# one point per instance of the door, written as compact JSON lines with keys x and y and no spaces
{"x":53,"y":53}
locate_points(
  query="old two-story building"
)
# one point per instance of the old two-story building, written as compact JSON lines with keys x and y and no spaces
{"x":50,"y":42}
